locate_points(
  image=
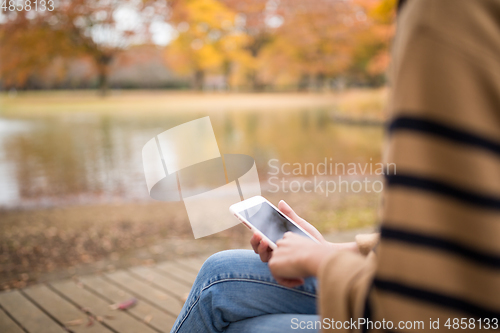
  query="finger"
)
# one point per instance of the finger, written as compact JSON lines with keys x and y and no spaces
{"x":263,"y":246}
{"x":290,"y":283}
{"x":264,"y":251}
{"x":266,"y":256}
{"x":288,"y":211}
{"x":286,"y":236}
{"x":255,"y":241}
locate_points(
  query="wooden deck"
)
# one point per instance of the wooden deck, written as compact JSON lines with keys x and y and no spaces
{"x":84,"y":304}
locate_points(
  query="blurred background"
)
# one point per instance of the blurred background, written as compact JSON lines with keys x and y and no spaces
{"x":86,"y":83}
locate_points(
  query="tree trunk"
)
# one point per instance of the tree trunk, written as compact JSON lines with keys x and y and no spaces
{"x":227,"y":75}
{"x":320,"y":82}
{"x":103,"y":82}
{"x":256,"y":86}
{"x":103,"y":62}
{"x":199,"y":80}
{"x":304,"y":82}
{"x":258,"y":43}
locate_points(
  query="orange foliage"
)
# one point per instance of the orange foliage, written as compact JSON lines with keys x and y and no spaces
{"x":31,"y":39}
{"x":250,"y":42}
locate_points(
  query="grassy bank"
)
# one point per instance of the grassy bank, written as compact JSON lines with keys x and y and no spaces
{"x":356,"y":102}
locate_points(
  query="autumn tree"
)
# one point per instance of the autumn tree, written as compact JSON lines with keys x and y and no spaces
{"x":99,"y":29}
{"x":28,"y":44}
{"x":259,"y":42}
{"x":208,"y":39}
{"x":307,"y":42}
{"x":316,"y":36}
{"x":371,"y":56}
{"x":258,"y":20}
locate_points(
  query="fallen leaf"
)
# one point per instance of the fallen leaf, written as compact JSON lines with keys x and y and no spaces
{"x":76,"y":322}
{"x":124,"y":305}
{"x":90,"y":321}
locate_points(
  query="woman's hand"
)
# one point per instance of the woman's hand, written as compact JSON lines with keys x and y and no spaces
{"x":261,"y":247}
{"x":296,"y":258}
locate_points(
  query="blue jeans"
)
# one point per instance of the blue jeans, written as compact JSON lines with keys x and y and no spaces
{"x":235,"y":292}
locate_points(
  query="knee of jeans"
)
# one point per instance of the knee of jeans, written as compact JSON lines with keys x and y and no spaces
{"x":221,"y":263}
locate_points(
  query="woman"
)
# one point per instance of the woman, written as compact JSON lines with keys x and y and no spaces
{"x":438,"y":259}
{"x":236,"y":292}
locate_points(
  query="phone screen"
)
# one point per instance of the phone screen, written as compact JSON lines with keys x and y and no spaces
{"x":270,"y":221}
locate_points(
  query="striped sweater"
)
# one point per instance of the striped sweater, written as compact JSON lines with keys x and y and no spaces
{"x":439,"y":252}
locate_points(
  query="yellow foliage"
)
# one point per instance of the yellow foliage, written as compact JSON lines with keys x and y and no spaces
{"x":384,"y":11}
{"x":207,"y":38}
{"x":320,"y":39}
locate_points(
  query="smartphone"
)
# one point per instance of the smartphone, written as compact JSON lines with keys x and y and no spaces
{"x":262,"y":217}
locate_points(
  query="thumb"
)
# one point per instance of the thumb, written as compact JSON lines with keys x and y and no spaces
{"x":288,"y":211}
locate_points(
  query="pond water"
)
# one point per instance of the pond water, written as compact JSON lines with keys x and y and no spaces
{"x":88,"y":158}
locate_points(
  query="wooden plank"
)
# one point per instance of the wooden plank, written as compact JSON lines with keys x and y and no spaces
{"x":178,"y":271}
{"x":62,"y":310}
{"x":143,"y":311}
{"x":162,"y":282}
{"x":29,"y":315}
{"x":193,"y":263}
{"x":142,"y":289}
{"x":8,"y":325}
{"x":119,"y":321}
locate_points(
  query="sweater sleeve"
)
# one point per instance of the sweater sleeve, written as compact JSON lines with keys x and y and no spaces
{"x":344,"y":279}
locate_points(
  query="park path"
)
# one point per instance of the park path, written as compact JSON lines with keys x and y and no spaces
{"x":84,"y":304}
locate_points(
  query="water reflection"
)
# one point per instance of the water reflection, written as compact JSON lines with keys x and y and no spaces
{"x":82,"y":158}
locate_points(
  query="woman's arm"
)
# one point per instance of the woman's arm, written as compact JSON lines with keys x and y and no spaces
{"x":261,"y":247}
{"x":298,"y":257}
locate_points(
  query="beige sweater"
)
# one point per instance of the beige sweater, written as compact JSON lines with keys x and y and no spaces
{"x":439,"y":252}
